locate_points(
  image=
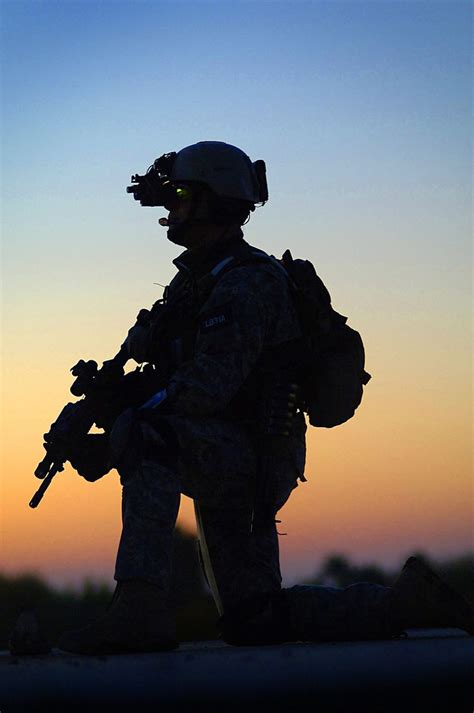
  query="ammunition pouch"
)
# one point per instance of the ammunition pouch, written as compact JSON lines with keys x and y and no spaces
{"x":275,"y":410}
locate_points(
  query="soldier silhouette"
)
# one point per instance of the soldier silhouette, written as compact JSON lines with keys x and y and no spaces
{"x":225,"y":341}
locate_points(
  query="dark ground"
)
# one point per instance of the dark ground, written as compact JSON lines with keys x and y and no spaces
{"x":431,"y":670}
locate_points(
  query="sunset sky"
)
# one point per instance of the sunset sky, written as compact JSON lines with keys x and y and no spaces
{"x":362,"y":112}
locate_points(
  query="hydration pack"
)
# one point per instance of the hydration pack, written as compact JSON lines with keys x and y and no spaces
{"x":332,"y":366}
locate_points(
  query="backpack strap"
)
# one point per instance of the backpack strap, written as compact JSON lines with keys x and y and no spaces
{"x":244,"y":255}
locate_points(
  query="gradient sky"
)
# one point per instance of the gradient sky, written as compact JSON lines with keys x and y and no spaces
{"x":362,"y":112}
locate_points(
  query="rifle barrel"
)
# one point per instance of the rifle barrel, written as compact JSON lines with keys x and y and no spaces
{"x":38,"y":496}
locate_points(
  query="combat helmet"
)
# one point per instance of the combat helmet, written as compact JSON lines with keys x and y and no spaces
{"x":228,"y":183}
{"x":225,"y":169}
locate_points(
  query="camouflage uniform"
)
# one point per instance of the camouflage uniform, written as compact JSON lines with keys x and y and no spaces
{"x":209,"y":347}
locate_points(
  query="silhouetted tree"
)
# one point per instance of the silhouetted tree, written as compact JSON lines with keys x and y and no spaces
{"x":338,"y":571}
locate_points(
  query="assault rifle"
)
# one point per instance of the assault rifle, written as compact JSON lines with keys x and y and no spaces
{"x":105,"y":392}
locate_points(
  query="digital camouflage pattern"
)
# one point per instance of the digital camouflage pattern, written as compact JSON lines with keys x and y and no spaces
{"x":207,"y":350}
{"x":209,"y":346}
{"x":216,"y":469}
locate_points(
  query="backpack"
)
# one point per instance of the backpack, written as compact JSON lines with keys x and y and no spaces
{"x":332,"y":375}
{"x":331,"y":356}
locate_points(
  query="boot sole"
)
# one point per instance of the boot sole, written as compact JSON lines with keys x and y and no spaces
{"x":446,"y":596}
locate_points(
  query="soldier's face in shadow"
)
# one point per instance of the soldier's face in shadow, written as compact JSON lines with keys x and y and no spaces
{"x":189,"y":225}
{"x":180,"y":211}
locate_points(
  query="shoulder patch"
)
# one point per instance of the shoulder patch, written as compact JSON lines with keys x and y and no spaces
{"x":218,"y":318}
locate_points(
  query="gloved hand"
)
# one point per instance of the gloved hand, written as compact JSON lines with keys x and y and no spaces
{"x":138,"y":337}
{"x":90,"y":456}
{"x":134,"y":432}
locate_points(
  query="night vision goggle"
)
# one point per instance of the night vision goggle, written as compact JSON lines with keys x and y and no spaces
{"x":155,"y":188}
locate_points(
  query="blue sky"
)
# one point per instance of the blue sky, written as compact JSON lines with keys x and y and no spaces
{"x":353,"y":104}
{"x":362,"y":111}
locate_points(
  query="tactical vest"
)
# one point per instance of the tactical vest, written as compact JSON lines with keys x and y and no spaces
{"x":175,"y":326}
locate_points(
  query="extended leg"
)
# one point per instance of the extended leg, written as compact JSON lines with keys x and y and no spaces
{"x":319,"y":613}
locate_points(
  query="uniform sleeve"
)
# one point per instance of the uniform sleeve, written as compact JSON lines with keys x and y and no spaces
{"x":233,"y":330}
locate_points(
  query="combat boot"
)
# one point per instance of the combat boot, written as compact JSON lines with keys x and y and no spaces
{"x":421,"y":599}
{"x":137,"y":620}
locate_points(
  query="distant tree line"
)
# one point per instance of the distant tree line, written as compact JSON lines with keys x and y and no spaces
{"x":59,"y":610}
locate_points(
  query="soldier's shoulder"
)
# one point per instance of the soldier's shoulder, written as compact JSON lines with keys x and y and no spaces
{"x":257,"y":270}
{"x":257,"y":283}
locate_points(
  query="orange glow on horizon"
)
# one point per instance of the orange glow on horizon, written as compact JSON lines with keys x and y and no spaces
{"x":367,"y":495}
